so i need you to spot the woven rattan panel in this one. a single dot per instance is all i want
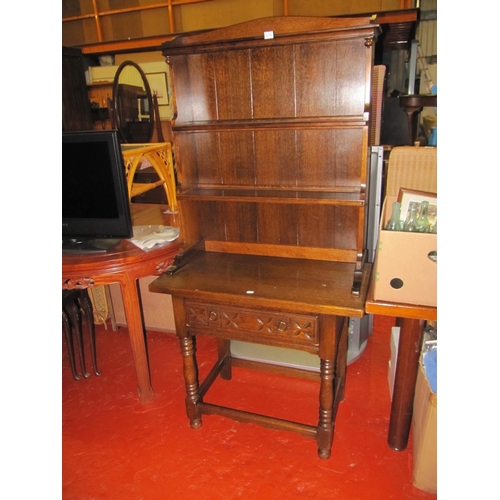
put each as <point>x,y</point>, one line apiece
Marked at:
<point>377,100</point>
<point>412,167</point>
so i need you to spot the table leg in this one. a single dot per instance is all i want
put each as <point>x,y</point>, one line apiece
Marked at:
<point>73,310</point>
<point>86,306</point>
<point>190,369</point>
<point>328,332</point>
<point>189,363</point>
<point>410,341</point>
<point>224,351</point>
<point>341,364</point>
<point>68,333</point>
<point>412,116</point>
<point>325,426</point>
<point>135,323</point>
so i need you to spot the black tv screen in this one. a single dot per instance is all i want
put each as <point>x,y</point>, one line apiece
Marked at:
<point>95,202</point>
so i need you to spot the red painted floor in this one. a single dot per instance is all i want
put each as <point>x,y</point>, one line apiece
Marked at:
<point>115,448</point>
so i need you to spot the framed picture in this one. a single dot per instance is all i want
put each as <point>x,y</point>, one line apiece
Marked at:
<point>406,196</point>
<point>158,85</point>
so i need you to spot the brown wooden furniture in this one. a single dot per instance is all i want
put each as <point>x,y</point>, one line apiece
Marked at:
<point>413,167</point>
<point>410,318</point>
<point>128,102</point>
<point>125,264</point>
<point>76,311</point>
<point>99,93</point>
<point>413,105</point>
<point>76,113</point>
<point>270,140</point>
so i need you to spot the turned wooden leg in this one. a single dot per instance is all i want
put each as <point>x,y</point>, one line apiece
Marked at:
<point>86,306</point>
<point>68,334</point>
<point>75,318</point>
<point>189,364</point>
<point>325,426</point>
<point>410,338</point>
<point>328,332</point>
<point>341,364</point>
<point>224,350</point>
<point>190,368</point>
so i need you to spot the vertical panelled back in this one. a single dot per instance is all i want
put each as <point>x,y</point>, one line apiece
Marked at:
<point>271,136</point>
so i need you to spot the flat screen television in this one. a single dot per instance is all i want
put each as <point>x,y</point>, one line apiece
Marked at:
<point>95,202</point>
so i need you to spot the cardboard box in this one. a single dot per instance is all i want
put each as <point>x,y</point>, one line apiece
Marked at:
<point>424,434</point>
<point>403,270</point>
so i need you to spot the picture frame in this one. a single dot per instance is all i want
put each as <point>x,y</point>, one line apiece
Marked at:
<point>406,196</point>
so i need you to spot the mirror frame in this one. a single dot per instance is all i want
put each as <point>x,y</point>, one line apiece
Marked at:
<point>117,105</point>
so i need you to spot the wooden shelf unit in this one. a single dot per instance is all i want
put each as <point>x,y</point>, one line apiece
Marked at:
<point>271,134</point>
<point>271,142</point>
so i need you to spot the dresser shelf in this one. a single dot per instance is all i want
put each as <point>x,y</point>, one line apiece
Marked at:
<point>271,142</point>
<point>274,195</point>
<point>261,123</point>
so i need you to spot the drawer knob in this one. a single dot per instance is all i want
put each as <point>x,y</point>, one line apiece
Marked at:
<point>281,326</point>
<point>213,315</point>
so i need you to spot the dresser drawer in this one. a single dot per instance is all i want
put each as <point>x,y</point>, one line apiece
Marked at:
<point>270,327</point>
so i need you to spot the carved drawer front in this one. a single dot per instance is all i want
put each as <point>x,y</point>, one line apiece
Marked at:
<point>269,325</point>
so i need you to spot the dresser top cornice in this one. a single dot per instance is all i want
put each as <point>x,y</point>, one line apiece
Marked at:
<point>282,28</point>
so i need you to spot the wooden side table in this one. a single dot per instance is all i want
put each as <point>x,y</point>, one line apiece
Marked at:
<point>410,318</point>
<point>294,303</point>
<point>125,264</point>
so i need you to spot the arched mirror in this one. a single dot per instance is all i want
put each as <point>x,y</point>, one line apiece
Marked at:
<point>133,104</point>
